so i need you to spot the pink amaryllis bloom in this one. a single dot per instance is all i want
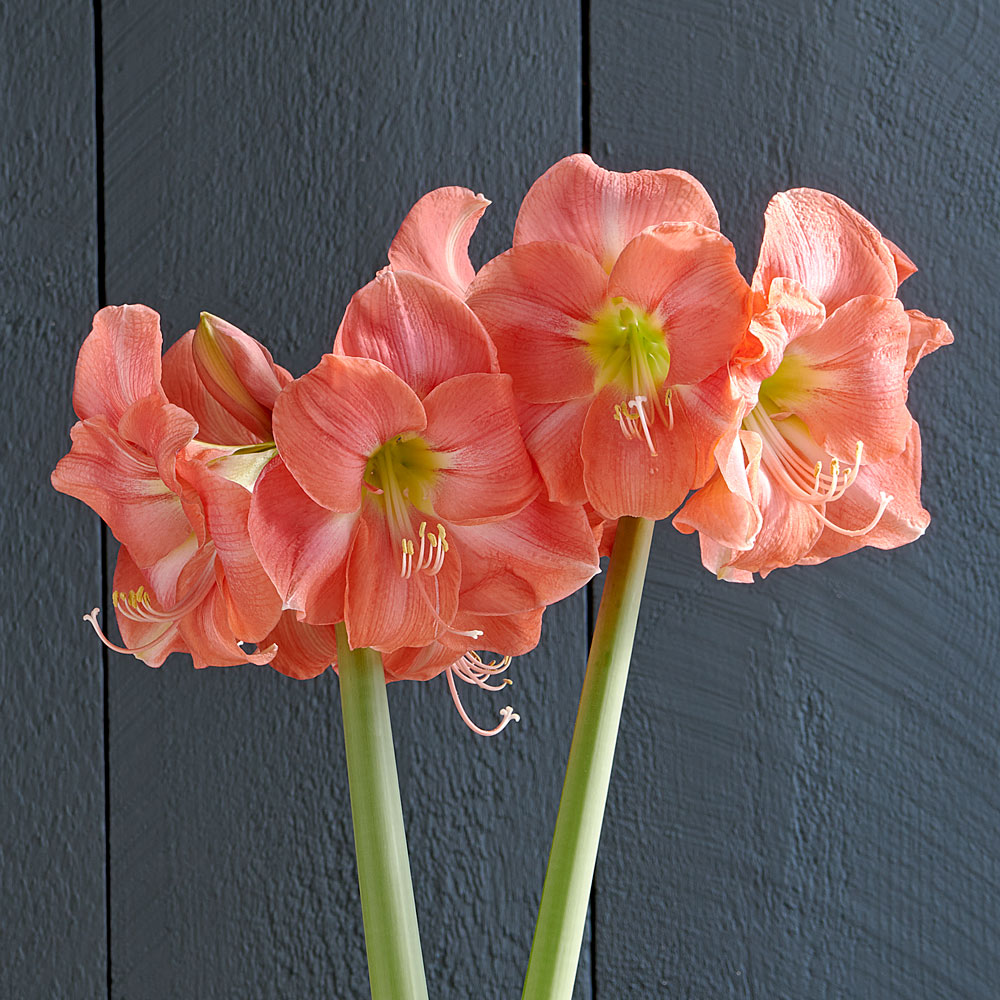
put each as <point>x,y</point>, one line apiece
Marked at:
<point>187,578</point>
<point>616,313</point>
<point>827,458</point>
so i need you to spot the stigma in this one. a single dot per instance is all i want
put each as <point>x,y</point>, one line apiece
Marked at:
<point>473,669</point>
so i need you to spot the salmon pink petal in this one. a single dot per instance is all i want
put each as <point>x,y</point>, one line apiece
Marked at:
<point>161,430</point>
<point>905,267</point>
<point>254,604</point>
<point>420,663</point>
<point>385,610</point>
<point>622,476</point>
<point>121,483</point>
<point>718,558</point>
<point>789,529</point>
<point>303,547</point>
<point>537,557</point>
<point>846,380</point>
<point>209,637</point>
<point>686,276</point>
<point>238,372</point>
<point>820,241</point>
<point>508,635</point>
<point>552,432</point>
<point>417,328</point>
<point>434,237</point>
<point>926,336</point>
<point>184,388</point>
<point>304,651</point>
<point>534,301</point>
<point>119,362</point>
<point>576,201</point>
<point>725,508</point>
<point>904,519</point>
<point>603,529</point>
<point>486,471</point>
<point>328,422</point>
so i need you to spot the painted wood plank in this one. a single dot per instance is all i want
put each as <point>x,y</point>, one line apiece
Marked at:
<point>52,931</point>
<point>806,797</point>
<point>259,159</point>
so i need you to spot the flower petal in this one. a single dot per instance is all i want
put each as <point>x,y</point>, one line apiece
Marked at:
<point>472,428</point>
<point>905,267</point>
<point>434,237</point>
<point>254,604</point>
<point>533,301</point>
<point>845,380</point>
<point>686,275</point>
<point>304,651</point>
<point>328,422</point>
<point>238,372</point>
<point>904,520</point>
<point>303,547</point>
<point>552,433</point>
<point>417,328</point>
<point>120,482</point>
<point>119,362</point>
<point>926,336</point>
<point>384,610</point>
<point>576,201</point>
<point>185,389</point>
<point>820,241</point>
<point>537,557</point>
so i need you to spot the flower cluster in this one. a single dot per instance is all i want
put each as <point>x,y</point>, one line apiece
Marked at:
<point>459,460</point>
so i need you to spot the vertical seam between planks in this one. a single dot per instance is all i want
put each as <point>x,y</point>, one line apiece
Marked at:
<point>102,298</point>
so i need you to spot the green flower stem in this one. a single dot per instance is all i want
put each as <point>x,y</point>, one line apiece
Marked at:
<point>555,951</point>
<point>392,939</point>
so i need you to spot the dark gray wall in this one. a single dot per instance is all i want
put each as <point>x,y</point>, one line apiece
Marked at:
<point>805,801</point>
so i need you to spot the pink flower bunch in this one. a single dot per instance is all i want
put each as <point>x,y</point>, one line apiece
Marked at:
<point>459,460</point>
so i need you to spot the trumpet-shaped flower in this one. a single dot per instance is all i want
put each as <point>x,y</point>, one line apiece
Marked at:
<point>828,457</point>
<point>614,312</point>
<point>187,578</point>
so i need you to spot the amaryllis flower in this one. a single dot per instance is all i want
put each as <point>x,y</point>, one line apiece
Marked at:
<point>186,578</point>
<point>616,312</point>
<point>827,458</point>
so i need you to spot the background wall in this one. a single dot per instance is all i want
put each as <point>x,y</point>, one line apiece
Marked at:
<point>806,794</point>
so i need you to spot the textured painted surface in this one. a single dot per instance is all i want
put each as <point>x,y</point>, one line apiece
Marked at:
<point>809,766</point>
<point>257,166</point>
<point>52,916</point>
<point>806,799</point>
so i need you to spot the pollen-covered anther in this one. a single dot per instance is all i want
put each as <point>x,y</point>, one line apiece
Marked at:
<point>634,422</point>
<point>430,557</point>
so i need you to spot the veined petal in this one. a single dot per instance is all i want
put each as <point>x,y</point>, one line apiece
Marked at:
<point>328,422</point>
<point>119,362</point>
<point>904,519</point>
<point>434,237</point>
<point>303,547</point>
<point>845,380</point>
<point>486,471</point>
<point>822,242</point>
<point>576,201</point>
<point>254,604</point>
<point>905,267</point>
<point>184,388</point>
<point>926,336</point>
<point>533,301</point>
<point>686,275</point>
<point>535,558</point>
<point>725,508</point>
<point>120,482</point>
<point>238,372</point>
<point>304,651</point>
<point>210,639</point>
<point>417,328</point>
<point>552,433</point>
<point>161,430</point>
<point>385,610</point>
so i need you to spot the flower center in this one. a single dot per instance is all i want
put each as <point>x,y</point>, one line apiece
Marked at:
<point>628,349</point>
<point>401,474</point>
<point>794,461</point>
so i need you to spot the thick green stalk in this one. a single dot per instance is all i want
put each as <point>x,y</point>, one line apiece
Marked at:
<point>555,951</point>
<point>395,965</point>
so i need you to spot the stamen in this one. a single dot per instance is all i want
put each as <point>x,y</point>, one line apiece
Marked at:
<point>507,713</point>
<point>640,415</point>
<point>135,651</point>
<point>884,500</point>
